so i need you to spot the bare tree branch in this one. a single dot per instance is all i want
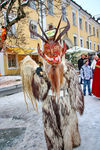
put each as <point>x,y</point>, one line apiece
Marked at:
<point>9,6</point>
<point>3,4</point>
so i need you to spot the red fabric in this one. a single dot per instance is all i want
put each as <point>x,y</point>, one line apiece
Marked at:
<point>96,80</point>
<point>53,52</point>
<point>3,32</point>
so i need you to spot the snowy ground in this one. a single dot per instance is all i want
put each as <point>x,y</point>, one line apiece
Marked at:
<point>23,130</point>
<point>14,115</point>
<point>6,81</point>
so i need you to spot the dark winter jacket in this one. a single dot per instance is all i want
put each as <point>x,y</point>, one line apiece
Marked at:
<point>80,63</point>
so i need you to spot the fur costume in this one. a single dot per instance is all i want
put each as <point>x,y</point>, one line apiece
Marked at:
<point>60,93</point>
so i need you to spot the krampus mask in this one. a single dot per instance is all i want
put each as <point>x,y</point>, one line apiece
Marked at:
<point>53,53</point>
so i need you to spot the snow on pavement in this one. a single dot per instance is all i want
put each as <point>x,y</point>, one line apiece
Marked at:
<point>13,114</point>
<point>6,81</point>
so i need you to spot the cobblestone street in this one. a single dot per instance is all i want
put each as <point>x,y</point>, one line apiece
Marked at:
<point>23,130</point>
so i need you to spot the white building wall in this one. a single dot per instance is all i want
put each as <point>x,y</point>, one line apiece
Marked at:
<point>2,64</point>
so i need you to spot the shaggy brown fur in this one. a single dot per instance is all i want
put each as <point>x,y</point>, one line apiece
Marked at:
<point>60,124</point>
<point>56,78</point>
<point>59,117</point>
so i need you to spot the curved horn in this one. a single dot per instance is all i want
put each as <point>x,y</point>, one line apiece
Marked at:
<point>64,31</point>
<point>57,28</point>
<point>36,34</point>
<point>43,32</point>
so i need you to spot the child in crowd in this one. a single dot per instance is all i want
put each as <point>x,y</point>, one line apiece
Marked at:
<point>86,75</point>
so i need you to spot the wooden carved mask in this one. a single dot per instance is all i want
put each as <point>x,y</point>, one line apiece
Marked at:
<point>53,53</point>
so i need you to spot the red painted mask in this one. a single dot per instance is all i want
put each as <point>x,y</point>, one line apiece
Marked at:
<point>53,52</point>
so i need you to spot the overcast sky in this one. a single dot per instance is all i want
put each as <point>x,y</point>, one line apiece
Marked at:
<point>92,6</point>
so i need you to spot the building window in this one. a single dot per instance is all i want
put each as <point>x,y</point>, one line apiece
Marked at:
<point>81,42</point>
<point>74,18</point>
<point>87,44</point>
<point>90,47</point>
<point>64,13</point>
<point>94,31</point>
<point>32,4</point>
<point>94,46</point>
<point>89,29</point>
<point>80,23</point>
<point>86,27</point>
<point>12,61</point>
<point>97,34</point>
<point>34,28</point>
<point>50,6</point>
<point>75,40</point>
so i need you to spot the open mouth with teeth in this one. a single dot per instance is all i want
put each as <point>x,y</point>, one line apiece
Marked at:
<point>53,52</point>
<point>53,60</point>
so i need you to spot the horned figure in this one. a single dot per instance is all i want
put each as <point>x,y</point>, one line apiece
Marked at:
<point>53,53</point>
<point>58,89</point>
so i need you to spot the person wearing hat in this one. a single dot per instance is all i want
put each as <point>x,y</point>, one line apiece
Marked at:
<point>96,78</point>
<point>86,75</point>
<point>39,70</point>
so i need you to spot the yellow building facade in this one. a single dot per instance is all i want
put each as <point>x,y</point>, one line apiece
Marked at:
<point>84,32</point>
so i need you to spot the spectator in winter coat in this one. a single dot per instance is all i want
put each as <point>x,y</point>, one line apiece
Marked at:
<point>86,75</point>
<point>89,58</point>
<point>80,64</point>
<point>39,70</point>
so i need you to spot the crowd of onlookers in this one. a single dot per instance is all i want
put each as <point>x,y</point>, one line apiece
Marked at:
<point>89,68</point>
